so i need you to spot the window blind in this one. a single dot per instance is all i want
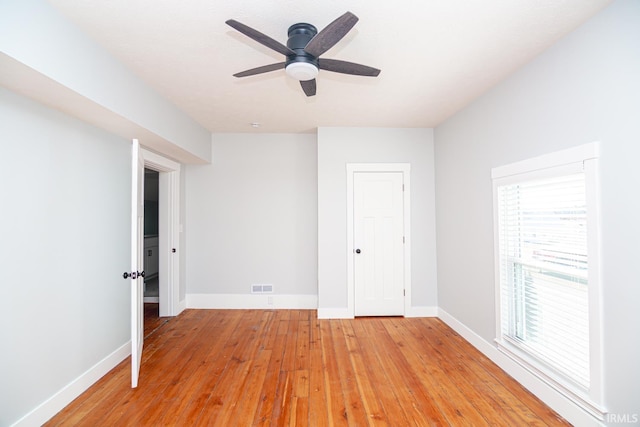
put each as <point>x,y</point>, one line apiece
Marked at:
<point>543,272</point>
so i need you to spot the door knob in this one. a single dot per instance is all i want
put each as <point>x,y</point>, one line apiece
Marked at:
<point>358,251</point>
<point>134,274</point>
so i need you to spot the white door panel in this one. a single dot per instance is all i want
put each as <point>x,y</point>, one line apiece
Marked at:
<point>137,260</point>
<point>378,243</point>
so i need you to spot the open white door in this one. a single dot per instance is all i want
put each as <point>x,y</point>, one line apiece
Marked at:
<point>137,260</point>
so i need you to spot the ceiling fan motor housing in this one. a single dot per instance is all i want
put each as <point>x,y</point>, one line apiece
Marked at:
<point>299,35</point>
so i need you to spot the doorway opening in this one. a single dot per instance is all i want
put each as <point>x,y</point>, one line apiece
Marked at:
<point>151,241</point>
<point>162,233</point>
<point>151,184</point>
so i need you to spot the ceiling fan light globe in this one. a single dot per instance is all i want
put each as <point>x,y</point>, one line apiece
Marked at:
<point>302,71</point>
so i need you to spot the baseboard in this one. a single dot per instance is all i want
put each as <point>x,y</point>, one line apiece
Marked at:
<point>182,306</point>
<point>421,312</point>
<point>252,301</point>
<point>550,396</point>
<point>62,398</point>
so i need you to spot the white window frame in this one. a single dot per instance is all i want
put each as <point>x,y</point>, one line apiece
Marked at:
<point>584,158</point>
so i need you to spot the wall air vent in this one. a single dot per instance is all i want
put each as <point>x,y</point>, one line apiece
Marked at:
<point>261,289</point>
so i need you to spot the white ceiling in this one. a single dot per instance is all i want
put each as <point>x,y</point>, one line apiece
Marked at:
<point>436,56</point>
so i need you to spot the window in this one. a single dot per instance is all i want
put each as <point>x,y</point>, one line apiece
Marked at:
<point>547,270</point>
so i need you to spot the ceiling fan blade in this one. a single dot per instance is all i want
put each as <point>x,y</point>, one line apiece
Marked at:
<point>331,34</point>
<point>345,67</point>
<point>309,87</point>
<point>260,70</point>
<point>260,38</point>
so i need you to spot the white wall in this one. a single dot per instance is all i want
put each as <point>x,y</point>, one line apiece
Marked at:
<point>251,218</point>
<point>48,58</point>
<point>586,88</point>
<point>64,234</point>
<point>336,148</point>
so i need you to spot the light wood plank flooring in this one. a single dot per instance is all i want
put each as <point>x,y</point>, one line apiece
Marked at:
<point>286,367</point>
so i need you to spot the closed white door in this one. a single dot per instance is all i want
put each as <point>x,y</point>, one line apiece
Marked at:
<point>378,243</point>
<point>137,260</point>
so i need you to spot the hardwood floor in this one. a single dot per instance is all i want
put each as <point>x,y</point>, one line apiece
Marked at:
<point>152,319</point>
<point>286,367</point>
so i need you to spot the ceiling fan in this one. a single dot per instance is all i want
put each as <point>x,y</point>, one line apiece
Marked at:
<point>304,47</point>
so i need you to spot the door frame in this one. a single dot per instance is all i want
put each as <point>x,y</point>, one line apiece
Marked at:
<point>405,169</point>
<point>168,231</point>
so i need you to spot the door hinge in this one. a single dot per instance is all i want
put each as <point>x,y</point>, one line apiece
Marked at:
<point>404,292</point>
<point>402,187</point>
<point>403,241</point>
